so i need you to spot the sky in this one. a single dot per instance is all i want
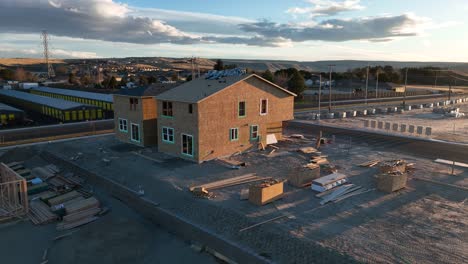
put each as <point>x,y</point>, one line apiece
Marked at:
<point>302,30</point>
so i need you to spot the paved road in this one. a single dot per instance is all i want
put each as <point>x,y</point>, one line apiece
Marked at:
<point>420,147</point>
<point>27,133</point>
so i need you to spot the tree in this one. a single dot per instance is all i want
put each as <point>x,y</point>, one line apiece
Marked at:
<point>143,80</point>
<point>123,81</point>
<point>20,75</point>
<point>219,66</point>
<point>267,75</point>
<point>85,80</point>
<point>297,84</point>
<point>61,70</point>
<point>71,78</point>
<point>7,74</point>
<point>112,83</point>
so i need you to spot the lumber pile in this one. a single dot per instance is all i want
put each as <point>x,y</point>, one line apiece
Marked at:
<point>207,187</point>
<point>340,193</point>
<point>40,213</point>
<point>79,212</point>
<point>303,176</point>
<point>308,150</point>
<point>369,164</point>
<point>63,198</point>
<point>393,166</point>
<point>266,191</point>
<point>391,182</point>
<point>320,160</point>
<point>328,182</point>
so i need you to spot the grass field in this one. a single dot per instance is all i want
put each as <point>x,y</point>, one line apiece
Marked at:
<point>25,61</point>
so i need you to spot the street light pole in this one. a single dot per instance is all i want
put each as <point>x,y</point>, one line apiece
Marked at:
<point>367,82</point>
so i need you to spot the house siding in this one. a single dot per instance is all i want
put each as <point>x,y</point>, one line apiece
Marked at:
<point>183,123</point>
<point>218,113</point>
<point>145,115</point>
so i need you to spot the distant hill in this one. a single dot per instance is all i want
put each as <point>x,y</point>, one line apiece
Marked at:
<point>341,65</point>
<point>10,62</point>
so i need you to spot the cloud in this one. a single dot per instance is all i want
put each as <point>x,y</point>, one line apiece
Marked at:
<point>88,19</point>
<point>9,51</point>
<point>326,8</point>
<point>371,28</point>
<point>107,20</point>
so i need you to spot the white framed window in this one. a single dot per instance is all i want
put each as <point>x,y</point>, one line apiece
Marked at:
<point>187,145</point>
<point>168,134</point>
<point>135,136</point>
<point>253,132</point>
<point>123,125</point>
<point>234,134</point>
<point>263,106</point>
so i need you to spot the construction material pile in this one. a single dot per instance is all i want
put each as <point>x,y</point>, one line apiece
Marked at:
<point>393,176</point>
<point>303,176</point>
<point>340,193</point>
<point>58,197</point>
<point>204,190</point>
<point>449,112</point>
<point>328,182</point>
<point>266,192</point>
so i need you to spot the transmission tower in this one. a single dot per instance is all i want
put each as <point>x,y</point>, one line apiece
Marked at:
<point>45,44</point>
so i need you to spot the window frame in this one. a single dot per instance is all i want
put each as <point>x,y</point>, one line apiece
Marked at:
<point>131,132</point>
<point>123,127</point>
<point>182,145</point>
<point>190,108</point>
<point>239,109</point>
<point>266,106</point>
<point>231,138</point>
<point>168,135</point>
<point>257,132</point>
<point>165,110</point>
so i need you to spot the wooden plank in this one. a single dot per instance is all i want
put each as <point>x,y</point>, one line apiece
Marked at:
<point>82,205</point>
<point>353,194</point>
<point>449,162</point>
<point>64,198</point>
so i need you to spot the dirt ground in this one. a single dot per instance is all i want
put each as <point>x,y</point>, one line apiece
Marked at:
<point>443,128</point>
<point>424,223</point>
<point>121,236</point>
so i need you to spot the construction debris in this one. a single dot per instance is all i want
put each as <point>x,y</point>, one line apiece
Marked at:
<point>40,213</point>
<point>244,194</point>
<point>232,164</point>
<point>320,160</point>
<point>340,193</point>
<point>267,221</point>
<point>308,150</point>
<point>391,182</point>
<point>369,164</point>
<point>298,136</point>
<point>303,176</point>
<point>328,182</point>
<point>247,178</point>
<point>266,191</point>
<point>393,166</point>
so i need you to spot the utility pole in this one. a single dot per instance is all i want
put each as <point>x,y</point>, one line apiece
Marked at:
<point>330,90</point>
<point>319,95</point>
<point>377,84</point>
<point>367,81</point>
<point>406,84</point>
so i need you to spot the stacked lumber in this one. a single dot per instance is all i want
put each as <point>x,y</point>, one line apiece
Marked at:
<point>303,176</point>
<point>370,163</point>
<point>266,191</point>
<point>43,172</point>
<point>308,150</point>
<point>247,178</point>
<point>40,213</point>
<point>63,198</point>
<point>340,193</point>
<point>79,211</point>
<point>391,182</point>
<point>319,160</point>
<point>328,182</point>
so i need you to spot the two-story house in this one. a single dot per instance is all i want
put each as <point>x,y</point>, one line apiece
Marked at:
<point>135,114</point>
<point>204,119</point>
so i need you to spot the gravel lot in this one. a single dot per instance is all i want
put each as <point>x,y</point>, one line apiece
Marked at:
<point>423,223</point>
